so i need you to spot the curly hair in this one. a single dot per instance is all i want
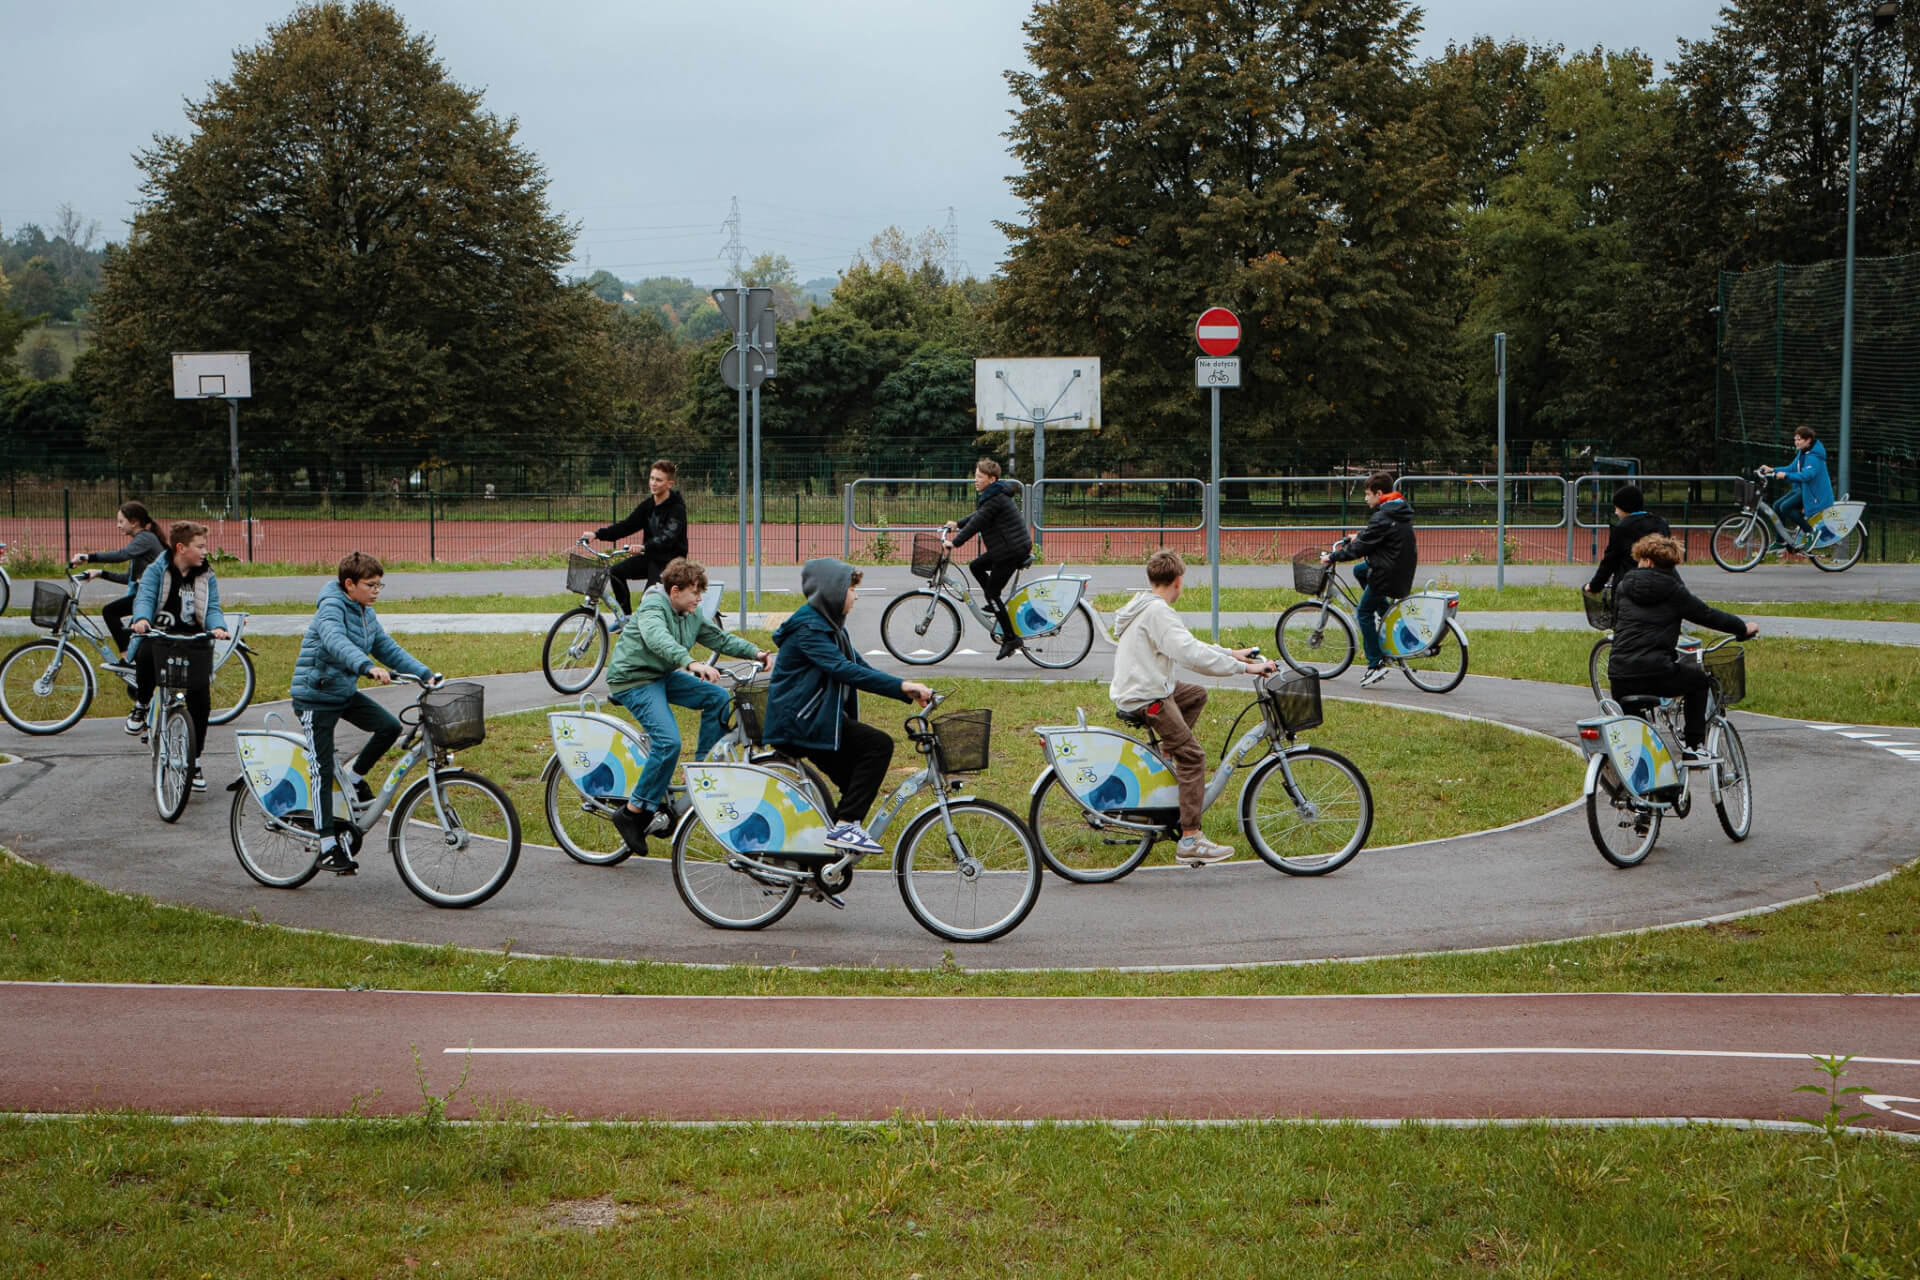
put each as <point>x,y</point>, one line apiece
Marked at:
<point>1659,548</point>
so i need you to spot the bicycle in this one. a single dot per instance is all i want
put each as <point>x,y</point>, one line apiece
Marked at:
<point>1637,772</point>
<point>1051,619</point>
<point>1105,798</point>
<point>454,835</point>
<point>6,583</point>
<point>47,685</point>
<point>754,840</point>
<point>1740,541</point>
<point>584,633</point>
<point>1599,610</point>
<point>179,660</point>
<point>1420,634</point>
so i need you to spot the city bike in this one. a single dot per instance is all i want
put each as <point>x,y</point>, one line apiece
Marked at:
<point>179,662</point>
<point>454,835</point>
<point>1105,799</point>
<point>1835,543</point>
<point>578,642</point>
<point>47,685</point>
<point>1420,634</point>
<point>754,840</point>
<point>6,583</point>
<point>1599,611</point>
<point>1637,773</point>
<point>1051,619</point>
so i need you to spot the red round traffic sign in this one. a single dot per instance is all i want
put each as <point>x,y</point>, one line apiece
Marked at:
<point>1218,331</point>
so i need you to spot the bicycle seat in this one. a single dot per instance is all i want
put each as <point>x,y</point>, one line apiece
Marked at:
<point>1132,719</point>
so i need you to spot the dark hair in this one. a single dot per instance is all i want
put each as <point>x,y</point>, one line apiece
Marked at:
<point>988,468</point>
<point>1380,482</point>
<point>1164,566</point>
<point>1629,498</point>
<point>682,573</point>
<point>665,467</point>
<point>184,532</point>
<point>1804,433</point>
<point>137,513</point>
<point>358,566</point>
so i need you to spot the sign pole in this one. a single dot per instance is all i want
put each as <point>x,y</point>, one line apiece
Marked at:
<point>756,500</point>
<point>1218,334</point>
<point>233,452</point>
<point>1500,468</point>
<point>740,345</point>
<point>1213,517</point>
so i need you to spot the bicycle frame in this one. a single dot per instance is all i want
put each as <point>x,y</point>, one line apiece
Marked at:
<point>1389,619</point>
<point>268,760</point>
<point>952,583</point>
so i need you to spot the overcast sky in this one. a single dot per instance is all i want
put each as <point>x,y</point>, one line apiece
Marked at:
<point>829,119</point>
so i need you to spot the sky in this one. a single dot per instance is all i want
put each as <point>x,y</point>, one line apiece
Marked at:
<point>828,120</point>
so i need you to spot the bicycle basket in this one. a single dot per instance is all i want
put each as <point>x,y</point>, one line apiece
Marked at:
<point>586,575</point>
<point>926,555</point>
<point>1599,609</point>
<point>1293,697</point>
<point>963,738</point>
<point>51,604</point>
<point>751,707</point>
<point>1309,575</point>
<point>181,662</point>
<point>1746,493</point>
<point>1727,668</point>
<point>455,715</point>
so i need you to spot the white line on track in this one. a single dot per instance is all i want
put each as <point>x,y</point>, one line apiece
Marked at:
<point>744,1051</point>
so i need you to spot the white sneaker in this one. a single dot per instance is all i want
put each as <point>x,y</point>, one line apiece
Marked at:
<point>137,719</point>
<point>1198,851</point>
<point>1373,675</point>
<point>854,838</point>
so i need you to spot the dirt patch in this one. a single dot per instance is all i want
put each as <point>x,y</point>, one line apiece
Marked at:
<point>586,1215</point>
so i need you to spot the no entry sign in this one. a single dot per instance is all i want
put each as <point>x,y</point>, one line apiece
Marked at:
<point>1218,331</point>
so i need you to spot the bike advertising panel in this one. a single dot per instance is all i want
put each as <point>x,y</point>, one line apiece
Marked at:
<point>754,811</point>
<point>1108,771</point>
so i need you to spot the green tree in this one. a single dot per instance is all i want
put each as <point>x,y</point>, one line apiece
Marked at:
<point>382,246</point>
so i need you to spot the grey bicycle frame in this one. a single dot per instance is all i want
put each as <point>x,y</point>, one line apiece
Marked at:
<point>362,816</point>
<point>1663,722</point>
<point>1352,611</point>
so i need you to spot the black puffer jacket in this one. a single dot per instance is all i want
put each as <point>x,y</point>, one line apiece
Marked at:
<point>997,519</point>
<point>1648,607</point>
<point>1618,561</point>
<point>665,523</point>
<point>1388,546</point>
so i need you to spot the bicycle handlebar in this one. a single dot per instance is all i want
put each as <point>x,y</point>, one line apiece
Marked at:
<point>431,682</point>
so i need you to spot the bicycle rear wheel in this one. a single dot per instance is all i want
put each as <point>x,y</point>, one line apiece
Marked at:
<point>582,827</point>
<point>1623,828</point>
<point>1065,647</point>
<point>575,650</point>
<point>1738,542</point>
<point>273,854</point>
<point>1597,666</point>
<point>172,760</point>
<point>1732,784</point>
<point>979,893</point>
<point>1315,637</point>
<point>1838,557</point>
<point>469,860</point>
<point>45,687</point>
<point>718,888</point>
<point>1073,847</point>
<point>1441,668</point>
<point>1314,827</point>
<point>231,688</point>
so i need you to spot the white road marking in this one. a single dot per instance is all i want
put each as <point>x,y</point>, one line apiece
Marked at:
<point>1881,738</point>
<point>743,1051</point>
<point>1885,1101</point>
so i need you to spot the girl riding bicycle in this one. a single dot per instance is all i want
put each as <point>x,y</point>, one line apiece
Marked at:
<point>179,595</point>
<point>1812,491</point>
<point>143,548</point>
<point>1649,604</point>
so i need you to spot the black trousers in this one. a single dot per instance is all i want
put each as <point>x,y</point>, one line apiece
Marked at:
<point>362,713</point>
<point>993,574</point>
<point>1679,681</point>
<point>857,768</point>
<point>199,695</point>
<point>114,614</point>
<point>620,572</point>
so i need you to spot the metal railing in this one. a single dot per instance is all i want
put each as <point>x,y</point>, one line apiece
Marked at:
<point>1659,496</point>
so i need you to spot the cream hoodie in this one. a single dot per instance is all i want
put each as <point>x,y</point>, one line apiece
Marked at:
<point>1152,642</point>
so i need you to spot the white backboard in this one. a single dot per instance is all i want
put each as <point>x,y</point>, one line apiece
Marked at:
<point>200,375</point>
<point>1049,386</point>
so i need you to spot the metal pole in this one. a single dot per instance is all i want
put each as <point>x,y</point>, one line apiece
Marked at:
<point>1500,469</point>
<point>1037,512</point>
<point>740,366</point>
<point>1213,516</point>
<point>1846,310</point>
<point>233,452</point>
<point>756,499</point>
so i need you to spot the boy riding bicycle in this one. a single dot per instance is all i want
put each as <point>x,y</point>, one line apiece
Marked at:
<point>344,642</point>
<point>1151,642</point>
<point>1391,553</point>
<point>178,595</point>
<point>662,514</point>
<point>1003,532</point>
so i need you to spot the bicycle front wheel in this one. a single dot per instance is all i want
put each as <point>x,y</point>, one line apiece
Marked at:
<point>45,686</point>
<point>1738,542</point>
<point>232,687</point>
<point>1838,557</point>
<point>1597,666</point>
<point>575,651</point>
<point>172,762</point>
<point>1065,647</point>
<point>467,860</point>
<point>272,854</point>
<point>1622,827</point>
<point>976,892</point>
<point>582,827</point>
<point>1732,784</point>
<point>718,887</point>
<point>1314,637</point>
<point>1074,846</point>
<point>1441,668</point>
<point>920,628</point>
<point>1317,824</point>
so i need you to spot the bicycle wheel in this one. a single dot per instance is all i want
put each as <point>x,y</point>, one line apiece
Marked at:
<point>172,761</point>
<point>1732,784</point>
<point>467,862</point>
<point>716,886</point>
<point>232,687</point>
<point>982,892</point>
<point>45,686</point>
<point>920,628</point>
<point>582,827</point>
<point>1073,847</point>
<point>1316,827</point>
<point>1623,828</point>
<point>1597,666</point>
<point>1321,640</point>
<point>274,855</point>
<point>6,590</point>
<point>1838,557</point>
<point>1441,668</point>
<point>1738,542</point>
<point>1063,648</point>
<point>575,650</point>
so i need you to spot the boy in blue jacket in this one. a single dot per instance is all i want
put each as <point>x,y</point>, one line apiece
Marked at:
<point>813,702</point>
<point>179,595</point>
<point>344,642</point>
<point>1812,491</point>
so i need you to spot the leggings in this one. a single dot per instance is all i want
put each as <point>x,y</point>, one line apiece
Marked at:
<point>114,614</point>
<point>362,713</point>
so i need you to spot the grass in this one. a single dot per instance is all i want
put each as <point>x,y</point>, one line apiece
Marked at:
<point>1540,599</point>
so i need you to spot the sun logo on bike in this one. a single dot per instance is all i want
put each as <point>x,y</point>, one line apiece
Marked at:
<point>564,730</point>
<point>705,782</point>
<point>1066,750</point>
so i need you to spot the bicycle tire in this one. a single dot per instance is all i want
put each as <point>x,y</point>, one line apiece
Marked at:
<point>717,892</point>
<point>229,693</point>
<point>582,652</point>
<point>61,707</point>
<point>436,868</point>
<point>1732,783</point>
<point>1332,793</point>
<point>6,590</point>
<point>582,831</point>
<point>172,761</point>
<point>1597,659</point>
<point>1322,647</point>
<point>1745,538</point>
<point>981,900</point>
<point>1449,659</point>
<point>1072,848</point>
<point>1613,814</point>
<point>1058,650</point>
<point>909,645</point>
<point>1842,555</point>
<point>276,857</point>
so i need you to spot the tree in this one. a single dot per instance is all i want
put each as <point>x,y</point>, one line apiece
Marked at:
<point>382,246</point>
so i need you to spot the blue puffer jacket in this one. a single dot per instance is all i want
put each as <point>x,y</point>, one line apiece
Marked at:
<point>202,586</point>
<point>1808,472</point>
<point>343,643</point>
<point>817,674</point>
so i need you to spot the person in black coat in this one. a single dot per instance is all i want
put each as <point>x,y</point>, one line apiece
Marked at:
<point>1649,604</point>
<point>1392,554</point>
<point>662,515</point>
<point>1008,541</point>
<point>1632,523</point>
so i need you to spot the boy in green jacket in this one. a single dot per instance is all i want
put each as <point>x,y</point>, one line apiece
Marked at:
<point>653,670</point>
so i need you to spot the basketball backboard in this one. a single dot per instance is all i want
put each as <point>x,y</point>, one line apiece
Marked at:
<point>203,375</point>
<point>1063,390</point>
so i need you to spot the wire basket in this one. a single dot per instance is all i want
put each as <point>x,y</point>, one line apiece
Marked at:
<point>1309,575</point>
<point>1599,609</point>
<point>1293,698</point>
<point>1746,493</point>
<point>181,662</point>
<point>750,704</point>
<point>927,554</point>
<point>586,575</point>
<point>1727,668</point>
<point>455,715</point>
<point>963,738</point>
<point>51,604</point>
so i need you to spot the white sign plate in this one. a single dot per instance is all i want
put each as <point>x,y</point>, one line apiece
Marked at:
<point>1216,371</point>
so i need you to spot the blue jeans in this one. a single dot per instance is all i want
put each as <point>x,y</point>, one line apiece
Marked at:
<point>1792,510</point>
<point>1373,606</point>
<point>649,704</point>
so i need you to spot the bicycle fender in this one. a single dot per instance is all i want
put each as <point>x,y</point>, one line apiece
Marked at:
<point>1593,773</point>
<point>1039,782</point>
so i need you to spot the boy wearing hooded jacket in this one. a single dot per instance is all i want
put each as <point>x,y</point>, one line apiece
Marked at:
<point>813,702</point>
<point>1003,532</point>
<point>1391,553</point>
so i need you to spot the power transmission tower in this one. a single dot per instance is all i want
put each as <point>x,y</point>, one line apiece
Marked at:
<point>734,249</point>
<point>950,240</point>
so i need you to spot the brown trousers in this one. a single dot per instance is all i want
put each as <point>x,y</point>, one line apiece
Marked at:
<point>1174,723</point>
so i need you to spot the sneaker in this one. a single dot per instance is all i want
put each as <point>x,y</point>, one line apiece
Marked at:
<point>854,838</point>
<point>1373,675</point>
<point>613,628</point>
<point>137,718</point>
<point>1008,648</point>
<point>1696,758</point>
<point>362,793</point>
<point>199,778</point>
<point>1197,851</point>
<point>338,861</point>
<point>632,828</point>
